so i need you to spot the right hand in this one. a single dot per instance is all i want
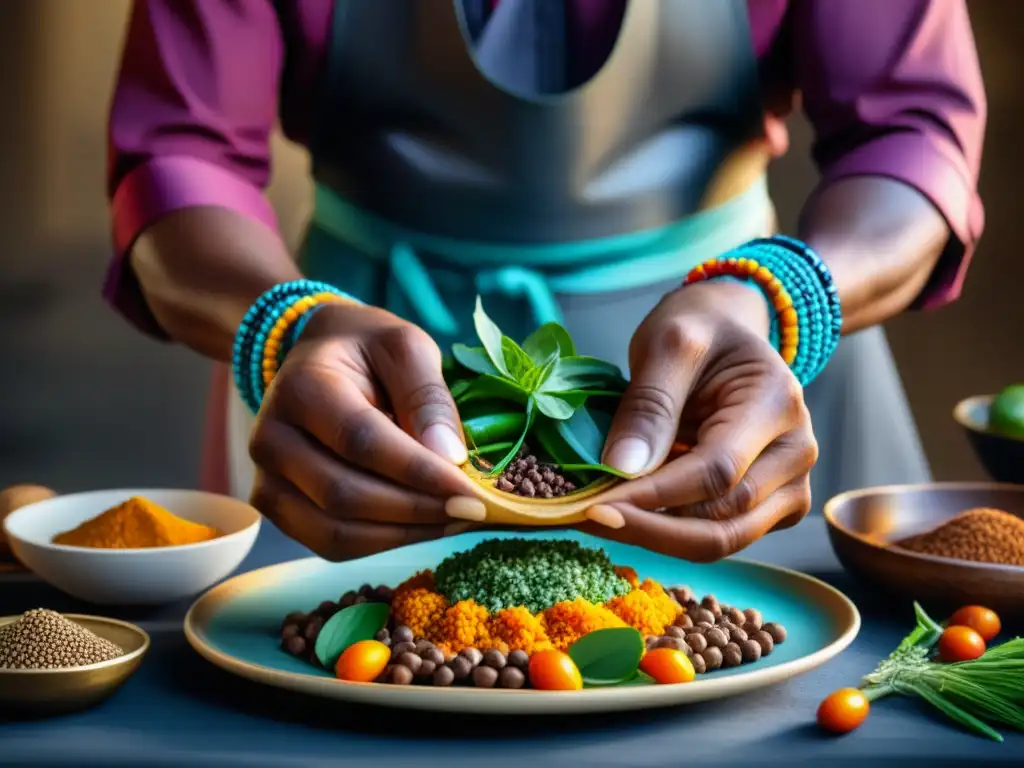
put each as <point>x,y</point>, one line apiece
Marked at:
<point>334,470</point>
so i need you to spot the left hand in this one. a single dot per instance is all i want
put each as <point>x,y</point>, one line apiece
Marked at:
<point>703,373</point>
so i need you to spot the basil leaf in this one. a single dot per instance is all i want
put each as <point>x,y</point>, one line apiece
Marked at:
<point>553,407</point>
<point>582,366</point>
<point>531,414</point>
<point>549,338</point>
<point>550,441</point>
<point>584,434</point>
<point>492,387</point>
<point>518,363</point>
<point>348,626</point>
<point>490,336</point>
<point>475,359</point>
<point>608,656</point>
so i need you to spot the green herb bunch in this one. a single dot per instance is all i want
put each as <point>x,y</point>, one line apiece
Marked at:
<point>541,393</point>
<point>536,573</point>
<point>989,689</point>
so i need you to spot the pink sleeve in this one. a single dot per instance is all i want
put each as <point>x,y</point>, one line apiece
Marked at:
<point>190,122</point>
<point>893,88</point>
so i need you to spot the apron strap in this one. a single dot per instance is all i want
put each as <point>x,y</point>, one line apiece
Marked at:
<point>416,283</point>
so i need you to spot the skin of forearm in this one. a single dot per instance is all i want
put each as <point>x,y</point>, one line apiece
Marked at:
<point>881,240</point>
<point>200,269</point>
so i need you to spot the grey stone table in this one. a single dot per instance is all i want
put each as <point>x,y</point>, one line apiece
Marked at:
<point>179,710</point>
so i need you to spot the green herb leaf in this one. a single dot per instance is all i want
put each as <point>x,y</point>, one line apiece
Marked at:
<point>518,363</point>
<point>486,387</point>
<point>951,710</point>
<point>475,359</point>
<point>531,413</point>
<point>348,626</point>
<point>459,388</point>
<point>585,373</point>
<point>608,656</point>
<point>585,433</point>
<point>490,336</point>
<point>608,470</point>
<point>549,338</point>
<point>553,407</point>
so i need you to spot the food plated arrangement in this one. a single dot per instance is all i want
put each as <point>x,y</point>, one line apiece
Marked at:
<point>545,622</point>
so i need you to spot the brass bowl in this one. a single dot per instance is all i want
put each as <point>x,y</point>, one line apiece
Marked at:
<point>863,525</point>
<point>509,509</point>
<point>1002,456</point>
<point>42,692</point>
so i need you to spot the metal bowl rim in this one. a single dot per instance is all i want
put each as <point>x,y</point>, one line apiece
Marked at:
<point>126,658</point>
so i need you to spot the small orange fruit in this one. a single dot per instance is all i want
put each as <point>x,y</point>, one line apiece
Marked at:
<point>362,662</point>
<point>667,666</point>
<point>960,644</point>
<point>844,710</point>
<point>982,620</point>
<point>554,671</point>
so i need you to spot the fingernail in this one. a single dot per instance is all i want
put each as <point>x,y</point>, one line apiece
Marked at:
<point>466,508</point>
<point>454,529</point>
<point>442,440</point>
<point>629,455</point>
<point>607,516</point>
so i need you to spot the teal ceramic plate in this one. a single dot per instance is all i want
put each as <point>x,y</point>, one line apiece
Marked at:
<point>236,626</point>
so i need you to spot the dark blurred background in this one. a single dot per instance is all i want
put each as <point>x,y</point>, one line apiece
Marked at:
<point>86,402</point>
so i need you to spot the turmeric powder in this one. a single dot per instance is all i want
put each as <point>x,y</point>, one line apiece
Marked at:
<point>136,524</point>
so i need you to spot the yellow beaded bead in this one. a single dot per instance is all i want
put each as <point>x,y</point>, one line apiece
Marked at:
<point>788,355</point>
<point>788,316</point>
<point>782,302</point>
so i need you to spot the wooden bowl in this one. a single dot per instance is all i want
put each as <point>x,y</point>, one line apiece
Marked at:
<point>41,692</point>
<point>863,524</point>
<point>1000,455</point>
<point>509,509</point>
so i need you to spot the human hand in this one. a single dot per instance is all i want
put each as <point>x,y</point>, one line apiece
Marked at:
<point>703,373</point>
<point>334,470</point>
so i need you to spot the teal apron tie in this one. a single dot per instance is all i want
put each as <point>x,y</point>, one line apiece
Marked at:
<point>534,273</point>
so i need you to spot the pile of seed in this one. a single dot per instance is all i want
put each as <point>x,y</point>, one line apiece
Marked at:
<point>421,662</point>
<point>299,630</point>
<point>43,639</point>
<point>717,636</point>
<point>980,535</point>
<point>525,476</point>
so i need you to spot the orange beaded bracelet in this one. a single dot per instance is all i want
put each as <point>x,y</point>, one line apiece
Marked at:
<point>276,338</point>
<point>745,268</point>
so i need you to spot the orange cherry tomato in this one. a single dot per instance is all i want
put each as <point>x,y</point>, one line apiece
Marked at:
<point>362,662</point>
<point>982,620</point>
<point>667,666</point>
<point>554,671</point>
<point>960,644</point>
<point>844,710</point>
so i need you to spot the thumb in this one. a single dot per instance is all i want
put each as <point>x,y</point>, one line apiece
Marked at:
<point>408,363</point>
<point>647,420</point>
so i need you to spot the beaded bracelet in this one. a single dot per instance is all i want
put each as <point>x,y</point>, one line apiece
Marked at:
<point>266,333</point>
<point>798,285</point>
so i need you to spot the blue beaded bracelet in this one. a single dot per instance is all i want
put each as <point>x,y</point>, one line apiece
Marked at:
<point>253,332</point>
<point>806,314</point>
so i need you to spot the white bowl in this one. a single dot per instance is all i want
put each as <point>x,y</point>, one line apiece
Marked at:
<point>132,576</point>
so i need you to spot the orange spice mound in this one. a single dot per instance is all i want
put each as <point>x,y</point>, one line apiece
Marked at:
<point>981,535</point>
<point>466,624</point>
<point>137,523</point>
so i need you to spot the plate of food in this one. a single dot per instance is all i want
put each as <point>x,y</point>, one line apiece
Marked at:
<point>521,623</point>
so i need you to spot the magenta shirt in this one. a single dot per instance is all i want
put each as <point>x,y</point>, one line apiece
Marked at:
<point>891,87</point>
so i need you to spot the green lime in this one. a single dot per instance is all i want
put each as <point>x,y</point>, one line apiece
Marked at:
<point>1006,416</point>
